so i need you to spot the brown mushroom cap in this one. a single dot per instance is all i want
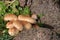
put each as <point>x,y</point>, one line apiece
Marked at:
<point>18,25</point>
<point>25,18</point>
<point>10,17</point>
<point>26,25</point>
<point>13,31</point>
<point>9,25</point>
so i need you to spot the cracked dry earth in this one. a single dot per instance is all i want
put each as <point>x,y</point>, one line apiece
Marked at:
<point>51,11</point>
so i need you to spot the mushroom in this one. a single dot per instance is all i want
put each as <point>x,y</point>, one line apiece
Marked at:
<point>9,25</point>
<point>13,31</point>
<point>10,17</point>
<point>27,25</point>
<point>25,18</point>
<point>18,25</point>
<point>34,16</point>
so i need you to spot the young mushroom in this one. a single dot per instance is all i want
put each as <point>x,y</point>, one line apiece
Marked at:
<point>13,31</point>
<point>27,25</point>
<point>18,25</point>
<point>9,25</point>
<point>34,16</point>
<point>10,17</point>
<point>25,18</point>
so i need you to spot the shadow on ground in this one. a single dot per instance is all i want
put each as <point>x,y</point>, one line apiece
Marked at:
<point>47,26</point>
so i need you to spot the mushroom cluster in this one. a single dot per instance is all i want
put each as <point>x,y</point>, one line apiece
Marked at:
<point>16,24</point>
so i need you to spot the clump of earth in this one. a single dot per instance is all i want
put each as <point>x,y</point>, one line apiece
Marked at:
<point>51,18</point>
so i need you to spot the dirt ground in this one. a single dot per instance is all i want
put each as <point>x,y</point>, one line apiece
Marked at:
<point>51,11</point>
<point>37,34</point>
